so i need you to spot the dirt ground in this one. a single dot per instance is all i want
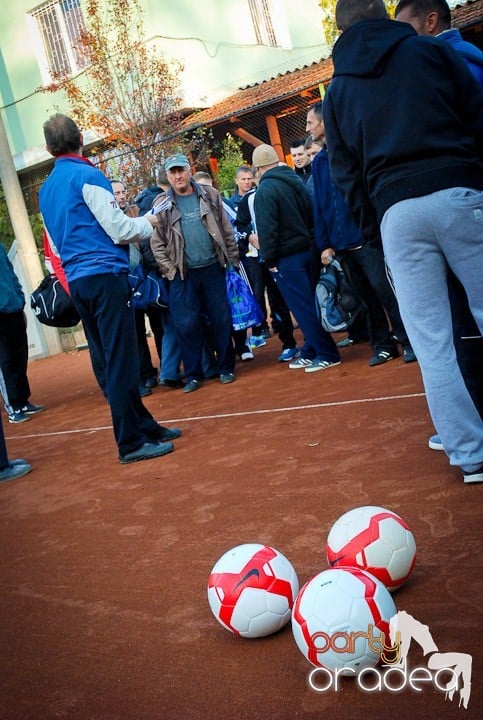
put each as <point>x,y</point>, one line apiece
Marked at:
<point>104,567</point>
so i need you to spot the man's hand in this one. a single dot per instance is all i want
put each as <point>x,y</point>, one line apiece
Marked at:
<point>273,269</point>
<point>327,256</point>
<point>253,240</point>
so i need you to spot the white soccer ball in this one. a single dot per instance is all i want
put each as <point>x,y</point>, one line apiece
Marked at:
<point>374,539</point>
<point>331,608</point>
<point>252,589</point>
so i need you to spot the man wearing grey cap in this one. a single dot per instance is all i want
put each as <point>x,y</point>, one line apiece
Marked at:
<point>193,244</point>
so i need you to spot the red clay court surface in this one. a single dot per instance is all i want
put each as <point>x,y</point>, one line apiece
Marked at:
<point>104,567</point>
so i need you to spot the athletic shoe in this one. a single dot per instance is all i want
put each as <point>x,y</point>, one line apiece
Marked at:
<point>17,416</point>
<point>257,341</point>
<point>346,342</point>
<point>289,354</point>
<point>247,354</point>
<point>14,469</point>
<point>321,365</point>
<point>172,383</point>
<point>151,382</point>
<point>300,363</point>
<point>168,434</point>
<point>408,354</point>
<point>144,391</point>
<point>473,477</point>
<point>226,378</point>
<point>383,356</point>
<point>435,443</point>
<point>146,452</point>
<point>191,386</point>
<point>31,409</point>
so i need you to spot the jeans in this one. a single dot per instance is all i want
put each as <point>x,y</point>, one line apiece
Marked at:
<point>296,283</point>
<point>421,237</point>
<point>202,293</point>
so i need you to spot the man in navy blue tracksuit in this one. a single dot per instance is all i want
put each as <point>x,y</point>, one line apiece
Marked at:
<point>90,233</point>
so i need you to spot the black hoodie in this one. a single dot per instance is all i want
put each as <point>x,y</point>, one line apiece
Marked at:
<point>284,215</point>
<point>403,117</point>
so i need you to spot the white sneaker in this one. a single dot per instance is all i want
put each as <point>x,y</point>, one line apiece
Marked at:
<point>247,354</point>
<point>300,363</point>
<point>321,365</point>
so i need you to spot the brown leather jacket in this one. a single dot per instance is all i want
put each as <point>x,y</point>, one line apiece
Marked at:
<point>167,242</point>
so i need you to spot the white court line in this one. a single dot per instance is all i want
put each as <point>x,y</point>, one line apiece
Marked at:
<point>294,408</point>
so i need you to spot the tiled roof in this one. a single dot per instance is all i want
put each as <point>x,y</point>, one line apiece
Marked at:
<point>293,82</point>
<point>264,93</point>
<point>468,13</point>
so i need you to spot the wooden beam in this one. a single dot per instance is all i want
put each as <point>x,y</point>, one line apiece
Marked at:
<point>247,137</point>
<point>274,133</point>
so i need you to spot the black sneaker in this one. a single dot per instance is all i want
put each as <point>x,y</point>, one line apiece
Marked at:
<point>31,409</point>
<point>473,477</point>
<point>383,356</point>
<point>144,391</point>
<point>146,452</point>
<point>408,354</point>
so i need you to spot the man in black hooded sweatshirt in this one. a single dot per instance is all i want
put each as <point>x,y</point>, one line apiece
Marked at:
<point>404,123</point>
<point>285,233</point>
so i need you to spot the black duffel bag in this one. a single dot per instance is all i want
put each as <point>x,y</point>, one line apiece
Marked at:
<point>52,305</point>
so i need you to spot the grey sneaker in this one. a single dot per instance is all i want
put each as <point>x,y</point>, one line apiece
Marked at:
<point>14,469</point>
<point>191,386</point>
<point>320,365</point>
<point>300,363</point>
<point>146,452</point>
<point>226,378</point>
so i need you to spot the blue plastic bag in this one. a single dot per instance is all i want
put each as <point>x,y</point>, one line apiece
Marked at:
<point>245,311</point>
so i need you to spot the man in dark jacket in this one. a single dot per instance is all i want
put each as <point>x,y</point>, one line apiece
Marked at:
<point>14,384</point>
<point>285,235</point>
<point>422,181</point>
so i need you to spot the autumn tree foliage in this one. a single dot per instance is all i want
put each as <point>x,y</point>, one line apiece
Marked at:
<point>329,26</point>
<point>128,93</point>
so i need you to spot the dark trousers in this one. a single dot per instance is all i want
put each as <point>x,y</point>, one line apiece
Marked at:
<point>103,302</point>
<point>202,292</point>
<point>260,280</point>
<point>14,358</point>
<point>3,448</point>
<point>297,285</point>
<point>368,271</point>
<point>468,341</point>
<point>279,313</point>
<point>147,368</point>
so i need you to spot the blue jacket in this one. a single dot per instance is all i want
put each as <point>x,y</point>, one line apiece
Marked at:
<point>469,52</point>
<point>334,225</point>
<point>83,221</point>
<point>12,298</point>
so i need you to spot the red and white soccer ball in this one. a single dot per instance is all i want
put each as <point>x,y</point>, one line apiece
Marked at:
<point>331,608</point>
<point>252,589</point>
<point>376,540</point>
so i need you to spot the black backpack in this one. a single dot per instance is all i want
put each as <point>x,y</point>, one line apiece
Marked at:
<point>336,302</point>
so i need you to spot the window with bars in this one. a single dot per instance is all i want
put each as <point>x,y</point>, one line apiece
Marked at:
<point>270,23</point>
<point>58,26</point>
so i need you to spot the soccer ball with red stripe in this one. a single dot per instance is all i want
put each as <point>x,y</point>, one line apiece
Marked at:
<point>374,539</point>
<point>338,620</point>
<point>252,589</point>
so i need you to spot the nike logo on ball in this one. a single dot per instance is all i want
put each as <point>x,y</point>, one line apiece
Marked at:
<point>249,574</point>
